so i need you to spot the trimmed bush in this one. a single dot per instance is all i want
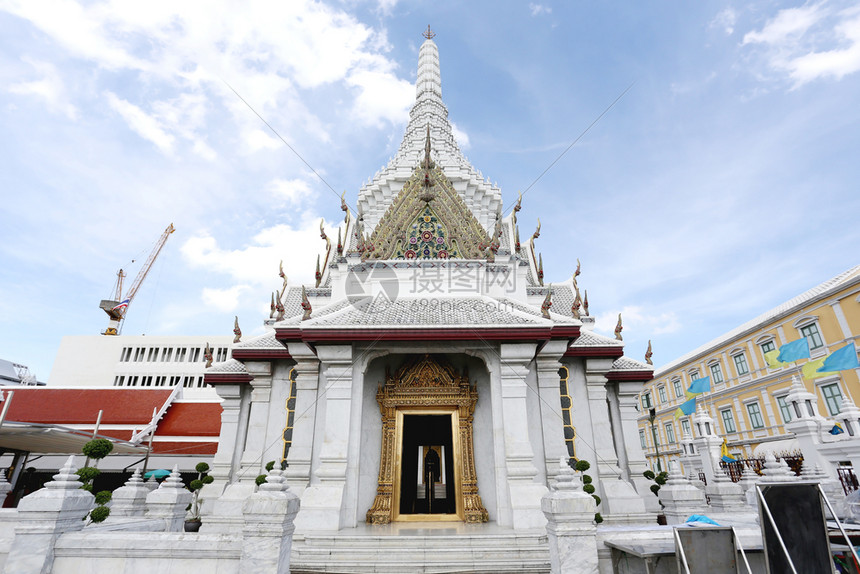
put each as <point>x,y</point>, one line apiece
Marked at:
<point>99,513</point>
<point>103,497</point>
<point>260,479</point>
<point>582,465</point>
<point>596,499</point>
<point>88,473</point>
<point>208,479</point>
<point>270,465</point>
<point>589,488</point>
<point>195,484</point>
<point>586,479</point>
<point>649,474</point>
<point>655,488</point>
<point>201,467</point>
<point>597,518</point>
<point>97,448</point>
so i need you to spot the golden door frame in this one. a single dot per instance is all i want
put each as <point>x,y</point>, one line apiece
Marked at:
<point>420,387</point>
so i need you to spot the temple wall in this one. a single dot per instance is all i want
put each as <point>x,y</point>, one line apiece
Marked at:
<point>536,438</point>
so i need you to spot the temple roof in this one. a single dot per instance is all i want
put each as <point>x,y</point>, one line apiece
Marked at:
<point>483,199</point>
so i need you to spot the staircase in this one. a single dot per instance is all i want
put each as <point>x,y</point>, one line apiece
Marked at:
<point>421,548</point>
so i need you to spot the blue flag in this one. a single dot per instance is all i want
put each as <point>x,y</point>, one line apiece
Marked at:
<point>700,386</point>
<point>794,351</point>
<point>686,408</point>
<point>837,429</point>
<point>844,358</point>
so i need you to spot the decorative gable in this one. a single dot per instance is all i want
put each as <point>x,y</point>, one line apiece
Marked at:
<point>427,220</point>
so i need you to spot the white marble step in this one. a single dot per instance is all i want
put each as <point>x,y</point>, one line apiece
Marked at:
<point>425,548</point>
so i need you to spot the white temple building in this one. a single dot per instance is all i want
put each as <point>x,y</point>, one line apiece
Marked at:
<point>429,374</point>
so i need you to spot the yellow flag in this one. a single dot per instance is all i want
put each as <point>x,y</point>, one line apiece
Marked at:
<point>725,448</point>
<point>772,362</point>
<point>810,369</point>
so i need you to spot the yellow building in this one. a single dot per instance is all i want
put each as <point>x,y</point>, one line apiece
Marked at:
<point>747,398</point>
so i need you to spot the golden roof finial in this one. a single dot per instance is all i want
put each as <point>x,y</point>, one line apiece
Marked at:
<point>429,34</point>
<point>618,328</point>
<point>648,354</point>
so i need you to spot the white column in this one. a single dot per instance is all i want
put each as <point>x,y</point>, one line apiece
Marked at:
<point>628,399</point>
<point>307,386</point>
<point>323,500</point>
<point>552,422</point>
<point>231,399</point>
<point>525,493</point>
<point>255,440</point>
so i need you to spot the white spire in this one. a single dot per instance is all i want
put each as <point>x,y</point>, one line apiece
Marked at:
<point>481,196</point>
<point>429,82</point>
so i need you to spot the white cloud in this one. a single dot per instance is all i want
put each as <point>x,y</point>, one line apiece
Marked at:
<point>788,24</point>
<point>537,9</point>
<point>257,263</point>
<point>294,191</point>
<point>381,97</point>
<point>145,125</point>
<point>811,42</point>
<point>725,20</point>
<point>50,88</point>
<point>225,300</point>
<point>638,320</point>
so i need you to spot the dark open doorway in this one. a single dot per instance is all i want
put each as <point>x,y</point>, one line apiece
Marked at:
<point>427,463</point>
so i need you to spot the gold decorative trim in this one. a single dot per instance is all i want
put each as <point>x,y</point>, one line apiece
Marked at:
<point>290,405</point>
<point>427,385</point>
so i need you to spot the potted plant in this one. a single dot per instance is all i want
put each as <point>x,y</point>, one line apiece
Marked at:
<point>659,480</point>
<point>192,523</point>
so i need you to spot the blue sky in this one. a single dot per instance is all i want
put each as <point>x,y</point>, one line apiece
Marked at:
<point>723,183</point>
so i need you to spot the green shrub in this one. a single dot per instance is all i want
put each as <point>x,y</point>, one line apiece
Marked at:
<point>270,465</point>
<point>103,497</point>
<point>586,479</point>
<point>655,488</point>
<point>597,518</point>
<point>661,478</point>
<point>99,513</point>
<point>260,479</point>
<point>201,467</point>
<point>589,488</point>
<point>195,484</point>
<point>208,479</point>
<point>88,473</point>
<point>97,448</point>
<point>649,474</point>
<point>596,499</point>
<point>582,465</point>
<point>87,487</point>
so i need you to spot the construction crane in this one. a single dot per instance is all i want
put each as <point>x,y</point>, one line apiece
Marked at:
<point>117,307</point>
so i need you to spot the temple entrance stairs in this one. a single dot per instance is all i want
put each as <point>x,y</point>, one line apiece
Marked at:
<point>431,548</point>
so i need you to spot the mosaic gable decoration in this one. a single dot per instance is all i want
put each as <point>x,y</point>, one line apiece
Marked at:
<point>427,220</point>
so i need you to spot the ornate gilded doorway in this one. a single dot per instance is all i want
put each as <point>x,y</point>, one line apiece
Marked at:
<point>424,398</point>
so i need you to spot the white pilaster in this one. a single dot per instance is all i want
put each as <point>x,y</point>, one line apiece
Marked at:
<point>525,493</point>
<point>307,387</point>
<point>552,421</point>
<point>322,501</point>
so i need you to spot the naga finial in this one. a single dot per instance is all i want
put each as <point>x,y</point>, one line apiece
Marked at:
<point>517,207</point>
<point>306,305</point>
<point>318,274</point>
<point>648,354</point>
<point>585,303</point>
<point>237,332</point>
<point>536,234</point>
<point>578,269</point>
<point>540,269</point>
<point>547,303</point>
<point>279,305</point>
<point>577,303</point>
<point>281,270</point>
<point>272,307</point>
<point>207,354</point>
<point>339,242</point>
<point>345,208</point>
<point>618,329</point>
<point>516,239</point>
